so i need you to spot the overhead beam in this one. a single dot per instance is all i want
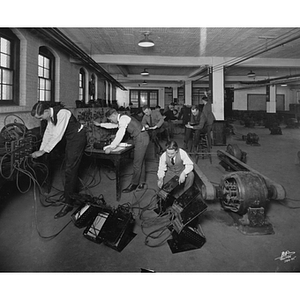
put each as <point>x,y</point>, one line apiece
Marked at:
<point>152,77</point>
<point>123,70</point>
<point>199,71</point>
<point>192,61</point>
<point>151,60</point>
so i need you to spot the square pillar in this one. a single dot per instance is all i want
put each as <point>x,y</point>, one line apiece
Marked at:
<point>218,92</point>
<point>188,92</point>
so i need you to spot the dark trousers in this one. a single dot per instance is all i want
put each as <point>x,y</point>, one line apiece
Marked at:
<point>189,180</point>
<point>194,134</point>
<point>154,138</point>
<point>74,151</point>
<point>139,168</point>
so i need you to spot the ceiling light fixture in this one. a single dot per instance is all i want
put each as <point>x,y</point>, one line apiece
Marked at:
<point>146,42</point>
<point>145,73</point>
<point>144,82</point>
<point>251,74</point>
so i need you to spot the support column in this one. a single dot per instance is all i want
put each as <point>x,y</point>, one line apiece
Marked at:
<point>188,92</point>
<point>111,91</point>
<point>271,104</point>
<point>218,92</point>
<point>175,92</point>
<point>106,90</point>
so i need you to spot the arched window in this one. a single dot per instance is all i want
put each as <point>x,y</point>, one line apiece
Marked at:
<point>92,87</point>
<point>9,67</point>
<point>81,85</point>
<point>46,75</point>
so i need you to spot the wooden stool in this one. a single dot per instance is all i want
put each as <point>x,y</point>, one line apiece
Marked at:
<point>203,147</point>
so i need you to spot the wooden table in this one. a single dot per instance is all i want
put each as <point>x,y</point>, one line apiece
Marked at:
<point>116,157</point>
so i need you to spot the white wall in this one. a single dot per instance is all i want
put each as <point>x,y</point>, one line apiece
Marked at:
<point>122,97</point>
<point>240,97</point>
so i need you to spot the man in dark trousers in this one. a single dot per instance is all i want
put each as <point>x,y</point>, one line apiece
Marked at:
<point>175,161</point>
<point>140,141</point>
<point>62,124</point>
<point>153,121</point>
<point>170,117</point>
<point>207,119</point>
<point>189,127</point>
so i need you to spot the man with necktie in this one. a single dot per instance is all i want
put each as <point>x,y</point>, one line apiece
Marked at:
<point>62,125</point>
<point>153,121</point>
<point>175,161</point>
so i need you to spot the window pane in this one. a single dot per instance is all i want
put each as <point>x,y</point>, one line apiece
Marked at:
<point>134,95</point>
<point>4,60</point>
<point>5,46</point>
<point>46,73</point>
<point>46,62</point>
<point>41,84</point>
<point>41,73</point>
<point>80,79</point>
<point>144,97</point>
<point>6,92</point>
<point>7,77</point>
<point>153,99</point>
<point>80,94</point>
<point>48,95</point>
<point>153,103</point>
<point>40,60</point>
<point>48,85</point>
<point>41,95</point>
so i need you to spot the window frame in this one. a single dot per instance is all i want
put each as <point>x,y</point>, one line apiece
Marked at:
<point>45,52</point>
<point>137,102</point>
<point>82,85</point>
<point>7,34</point>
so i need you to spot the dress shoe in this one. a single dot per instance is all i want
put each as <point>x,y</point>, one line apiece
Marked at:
<point>66,208</point>
<point>141,186</point>
<point>130,188</point>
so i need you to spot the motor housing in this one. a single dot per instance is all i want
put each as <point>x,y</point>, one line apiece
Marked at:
<point>241,190</point>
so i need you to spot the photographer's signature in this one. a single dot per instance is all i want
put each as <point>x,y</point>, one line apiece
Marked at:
<point>286,256</point>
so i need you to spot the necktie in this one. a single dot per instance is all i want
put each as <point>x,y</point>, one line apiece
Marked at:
<point>151,121</point>
<point>173,161</point>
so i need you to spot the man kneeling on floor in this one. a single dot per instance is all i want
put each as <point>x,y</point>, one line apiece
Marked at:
<point>175,161</point>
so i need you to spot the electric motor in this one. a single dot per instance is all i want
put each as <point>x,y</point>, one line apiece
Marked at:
<point>240,190</point>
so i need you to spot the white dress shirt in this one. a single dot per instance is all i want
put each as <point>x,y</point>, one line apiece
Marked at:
<point>54,133</point>
<point>123,121</point>
<point>187,162</point>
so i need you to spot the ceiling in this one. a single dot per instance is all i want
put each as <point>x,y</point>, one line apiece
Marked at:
<point>183,54</point>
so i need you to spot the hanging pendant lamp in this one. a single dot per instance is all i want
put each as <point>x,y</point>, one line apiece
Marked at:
<point>146,42</point>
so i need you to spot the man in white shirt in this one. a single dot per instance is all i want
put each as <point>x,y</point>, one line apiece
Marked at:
<point>175,161</point>
<point>140,140</point>
<point>61,123</point>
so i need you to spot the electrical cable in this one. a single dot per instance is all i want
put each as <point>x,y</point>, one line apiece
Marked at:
<point>36,221</point>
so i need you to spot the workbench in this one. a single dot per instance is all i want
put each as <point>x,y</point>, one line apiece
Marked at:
<point>116,157</point>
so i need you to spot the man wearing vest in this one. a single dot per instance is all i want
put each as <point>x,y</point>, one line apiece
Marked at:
<point>154,122</point>
<point>62,124</point>
<point>140,141</point>
<point>189,127</point>
<point>175,161</point>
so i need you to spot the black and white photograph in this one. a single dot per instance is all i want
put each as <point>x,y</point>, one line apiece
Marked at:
<point>139,153</point>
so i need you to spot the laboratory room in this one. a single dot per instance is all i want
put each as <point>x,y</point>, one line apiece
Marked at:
<point>156,152</point>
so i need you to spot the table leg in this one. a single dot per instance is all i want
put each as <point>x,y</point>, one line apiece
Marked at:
<point>118,185</point>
